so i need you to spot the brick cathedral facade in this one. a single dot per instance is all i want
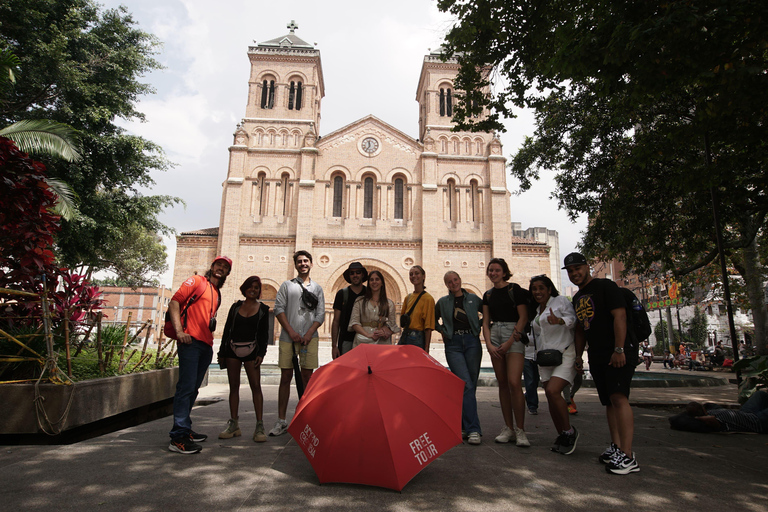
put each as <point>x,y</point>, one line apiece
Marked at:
<point>366,192</point>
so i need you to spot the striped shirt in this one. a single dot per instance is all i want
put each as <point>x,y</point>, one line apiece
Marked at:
<point>737,421</point>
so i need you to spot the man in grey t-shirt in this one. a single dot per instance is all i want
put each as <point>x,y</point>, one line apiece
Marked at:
<point>300,321</point>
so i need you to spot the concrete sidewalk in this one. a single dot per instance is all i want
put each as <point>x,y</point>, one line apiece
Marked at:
<point>132,470</point>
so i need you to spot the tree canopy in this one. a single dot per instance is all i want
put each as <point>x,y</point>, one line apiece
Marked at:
<point>83,66</point>
<point>643,110</point>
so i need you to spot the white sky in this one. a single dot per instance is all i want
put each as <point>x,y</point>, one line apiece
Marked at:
<point>371,55</point>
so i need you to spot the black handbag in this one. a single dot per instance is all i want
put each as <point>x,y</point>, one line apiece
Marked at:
<point>308,298</point>
<point>405,318</point>
<point>549,357</point>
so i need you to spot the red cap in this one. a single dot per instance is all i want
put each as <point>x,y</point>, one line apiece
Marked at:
<point>223,258</point>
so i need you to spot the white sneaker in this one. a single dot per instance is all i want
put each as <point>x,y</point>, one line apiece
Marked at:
<point>506,435</point>
<point>520,438</point>
<point>281,427</point>
<point>474,438</point>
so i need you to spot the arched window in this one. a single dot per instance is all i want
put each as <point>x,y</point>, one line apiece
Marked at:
<point>443,145</point>
<point>442,102</point>
<point>295,92</point>
<point>448,103</point>
<point>452,207</point>
<point>399,193</point>
<point>368,198</point>
<point>338,196</point>
<point>284,186</point>
<point>259,206</point>
<point>268,94</point>
<point>475,200</point>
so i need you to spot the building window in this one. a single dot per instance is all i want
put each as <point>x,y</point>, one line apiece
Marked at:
<point>284,186</point>
<point>268,94</point>
<point>260,194</point>
<point>446,103</point>
<point>338,196</point>
<point>368,198</point>
<point>452,200</point>
<point>399,186</point>
<point>294,96</point>
<point>475,199</point>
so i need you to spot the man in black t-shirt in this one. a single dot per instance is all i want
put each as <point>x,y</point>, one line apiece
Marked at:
<point>355,275</point>
<point>602,325</point>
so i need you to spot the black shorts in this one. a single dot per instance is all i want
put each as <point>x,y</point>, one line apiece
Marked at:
<point>609,380</point>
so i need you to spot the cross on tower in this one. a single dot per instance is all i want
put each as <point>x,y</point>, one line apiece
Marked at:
<point>292,26</point>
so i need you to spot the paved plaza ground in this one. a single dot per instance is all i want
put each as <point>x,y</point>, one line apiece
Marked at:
<point>132,470</point>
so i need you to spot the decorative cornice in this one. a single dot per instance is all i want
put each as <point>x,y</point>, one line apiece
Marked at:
<point>196,241</point>
<point>464,246</point>
<point>261,240</point>
<point>360,244</point>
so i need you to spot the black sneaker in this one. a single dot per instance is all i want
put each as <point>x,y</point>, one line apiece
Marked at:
<point>197,438</point>
<point>556,445</point>
<point>622,464</point>
<point>568,443</point>
<point>184,445</point>
<point>608,454</point>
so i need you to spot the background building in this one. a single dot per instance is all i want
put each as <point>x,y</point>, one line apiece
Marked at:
<point>142,304</point>
<point>366,192</point>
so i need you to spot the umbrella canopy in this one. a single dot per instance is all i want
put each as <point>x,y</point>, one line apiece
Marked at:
<point>378,415</point>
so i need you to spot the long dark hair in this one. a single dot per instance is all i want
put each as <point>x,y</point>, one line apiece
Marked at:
<point>383,302</point>
<point>547,282</point>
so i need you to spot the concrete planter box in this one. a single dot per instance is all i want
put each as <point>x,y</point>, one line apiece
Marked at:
<point>93,400</point>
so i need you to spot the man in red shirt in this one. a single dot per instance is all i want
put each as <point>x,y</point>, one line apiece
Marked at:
<point>193,312</point>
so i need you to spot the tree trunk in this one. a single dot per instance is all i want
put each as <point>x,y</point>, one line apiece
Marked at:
<point>753,278</point>
<point>670,328</point>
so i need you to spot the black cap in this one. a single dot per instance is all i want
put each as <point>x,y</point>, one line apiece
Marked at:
<point>575,258</point>
<point>355,265</point>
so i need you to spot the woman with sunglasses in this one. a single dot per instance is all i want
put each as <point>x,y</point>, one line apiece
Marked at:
<point>553,329</point>
<point>373,315</point>
<point>505,315</point>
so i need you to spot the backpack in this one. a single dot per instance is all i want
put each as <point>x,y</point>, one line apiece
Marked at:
<point>168,329</point>
<point>530,303</point>
<point>638,323</point>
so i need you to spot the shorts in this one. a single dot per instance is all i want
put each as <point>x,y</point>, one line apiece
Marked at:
<point>566,370</point>
<point>500,333</point>
<point>307,354</point>
<point>609,380</point>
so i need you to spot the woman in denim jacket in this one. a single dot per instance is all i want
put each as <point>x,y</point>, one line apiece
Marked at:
<point>457,319</point>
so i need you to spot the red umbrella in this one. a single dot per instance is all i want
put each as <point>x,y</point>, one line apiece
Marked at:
<point>378,415</point>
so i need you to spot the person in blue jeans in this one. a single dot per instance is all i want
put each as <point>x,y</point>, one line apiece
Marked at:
<point>457,318</point>
<point>531,379</point>
<point>192,311</point>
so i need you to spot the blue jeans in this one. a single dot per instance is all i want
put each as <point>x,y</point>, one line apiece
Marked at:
<point>412,338</point>
<point>194,359</point>
<point>758,405</point>
<point>464,354</point>
<point>531,380</point>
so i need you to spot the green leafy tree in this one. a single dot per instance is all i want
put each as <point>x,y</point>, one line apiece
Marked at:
<point>82,66</point>
<point>698,327</point>
<point>648,113</point>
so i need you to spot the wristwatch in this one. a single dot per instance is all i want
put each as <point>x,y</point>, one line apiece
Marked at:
<point>619,350</point>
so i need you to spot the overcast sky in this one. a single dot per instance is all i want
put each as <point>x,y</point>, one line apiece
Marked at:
<point>371,56</point>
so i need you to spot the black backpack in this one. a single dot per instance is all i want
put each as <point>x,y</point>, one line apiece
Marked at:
<point>638,323</point>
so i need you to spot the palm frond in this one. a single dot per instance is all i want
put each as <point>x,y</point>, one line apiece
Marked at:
<point>65,206</point>
<point>42,136</point>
